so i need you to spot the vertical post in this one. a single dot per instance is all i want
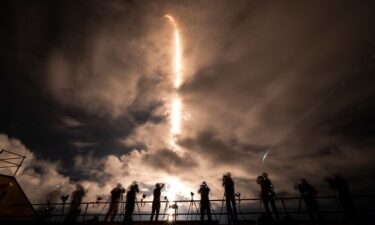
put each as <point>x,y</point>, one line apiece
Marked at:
<point>84,214</point>
<point>175,211</point>
<point>299,208</point>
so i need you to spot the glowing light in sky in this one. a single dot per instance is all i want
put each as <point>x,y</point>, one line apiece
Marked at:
<point>176,102</point>
<point>175,187</point>
<point>176,115</point>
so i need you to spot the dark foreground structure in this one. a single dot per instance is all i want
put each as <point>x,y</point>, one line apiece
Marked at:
<point>16,209</point>
<point>340,209</point>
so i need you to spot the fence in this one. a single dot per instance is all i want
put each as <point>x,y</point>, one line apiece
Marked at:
<point>188,210</point>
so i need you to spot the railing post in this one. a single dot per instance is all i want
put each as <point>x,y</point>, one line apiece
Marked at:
<point>84,214</point>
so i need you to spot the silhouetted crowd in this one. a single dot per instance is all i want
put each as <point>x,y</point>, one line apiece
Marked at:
<point>267,193</point>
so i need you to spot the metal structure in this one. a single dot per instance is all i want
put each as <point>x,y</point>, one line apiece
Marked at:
<point>251,209</point>
<point>11,160</point>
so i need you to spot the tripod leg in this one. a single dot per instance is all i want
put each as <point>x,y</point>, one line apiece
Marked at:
<point>213,211</point>
<point>299,208</point>
<point>221,210</point>
<point>139,211</point>
<point>197,209</point>
<point>165,210</point>
<point>188,212</point>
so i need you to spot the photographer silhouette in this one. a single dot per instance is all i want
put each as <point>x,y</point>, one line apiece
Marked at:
<point>204,191</point>
<point>228,184</point>
<point>268,195</point>
<point>116,198</point>
<point>130,203</point>
<point>156,201</point>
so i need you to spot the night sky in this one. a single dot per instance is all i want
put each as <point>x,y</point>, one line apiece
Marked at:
<point>86,88</point>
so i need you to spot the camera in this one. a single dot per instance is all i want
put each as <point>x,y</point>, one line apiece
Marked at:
<point>238,194</point>
<point>64,198</point>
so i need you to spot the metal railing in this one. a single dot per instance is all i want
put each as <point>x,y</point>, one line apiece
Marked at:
<point>248,209</point>
<point>11,160</point>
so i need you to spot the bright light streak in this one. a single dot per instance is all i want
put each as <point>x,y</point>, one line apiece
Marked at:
<point>176,115</point>
<point>176,102</point>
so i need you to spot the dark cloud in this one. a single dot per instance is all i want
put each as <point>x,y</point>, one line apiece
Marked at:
<point>213,149</point>
<point>88,84</point>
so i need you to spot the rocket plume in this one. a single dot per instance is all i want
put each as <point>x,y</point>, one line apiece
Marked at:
<point>176,102</point>
<point>173,185</point>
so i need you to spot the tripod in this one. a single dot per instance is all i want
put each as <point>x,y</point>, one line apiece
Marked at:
<point>166,207</point>
<point>191,206</point>
<point>222,206</point>
<point>175,207</point>
<point>213,211</point>
<point>139,211</point>
<point>238,204</point>
<point>231,211</point>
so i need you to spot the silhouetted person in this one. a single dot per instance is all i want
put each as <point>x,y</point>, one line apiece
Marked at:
<point>75,205</point>
<point>45,211</point>
<point>116,198</point>
<point>308,193</point>
<point>204,191</point>
<point>230,197</point>
<point>130,203</point>
<point>156,201</point>
<point>338,184</point>
<point>267,194</point>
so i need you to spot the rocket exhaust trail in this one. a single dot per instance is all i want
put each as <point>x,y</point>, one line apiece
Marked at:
<point>176,102</point>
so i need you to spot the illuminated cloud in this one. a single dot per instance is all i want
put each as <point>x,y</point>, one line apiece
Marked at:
<point>252,70</point>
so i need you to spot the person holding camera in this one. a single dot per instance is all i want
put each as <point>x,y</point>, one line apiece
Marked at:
<point>340,186</point>
<point>116,198</point>
<point>267,193</point>
<point>156,202</point>
<point>75,204</point>
<point>308,193</point>
<point>228,184</point>
<point>130,202</point>
<point>204,191</point>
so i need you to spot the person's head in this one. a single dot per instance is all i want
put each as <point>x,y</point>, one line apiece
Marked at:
<point>157,185</point>
<point>79,186</point>
<point>259,179</point>
<point>265,175</point>
<point>119,185</point>
<point>134,183</point>
<point>204,184</point>
<point>226,176</point>
<point>303,181</point>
